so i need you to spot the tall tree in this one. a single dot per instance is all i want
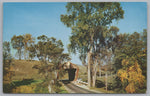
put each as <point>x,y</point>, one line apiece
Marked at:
<point>143,57</point>
<point>42,48</point>
<point>28,40</point>
<point>86,20</point>
<point>7,62</point>
<point>50,53</point>
<point>17,43</point>
<point>32,51</point>
<point>104,50</point>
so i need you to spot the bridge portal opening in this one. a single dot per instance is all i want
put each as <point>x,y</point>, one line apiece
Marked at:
<point>71,69</point>
<point>71,74</point>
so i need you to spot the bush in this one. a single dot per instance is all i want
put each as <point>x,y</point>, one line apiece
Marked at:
<point>7,88</point>
<point>114,83</point>
<point>110,86</point>
<point>99,84</point>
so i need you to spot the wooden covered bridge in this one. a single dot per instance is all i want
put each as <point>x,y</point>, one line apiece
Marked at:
<point>72,69</point>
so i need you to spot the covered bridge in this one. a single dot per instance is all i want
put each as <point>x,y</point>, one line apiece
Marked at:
<point>72,69</point>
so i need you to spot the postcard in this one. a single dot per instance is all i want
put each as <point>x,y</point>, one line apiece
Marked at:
<point>75,47</point>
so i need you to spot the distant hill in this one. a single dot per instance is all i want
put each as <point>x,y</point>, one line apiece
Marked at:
<point>82,72</point>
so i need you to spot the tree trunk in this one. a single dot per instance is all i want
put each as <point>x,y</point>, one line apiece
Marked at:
<point>106,83</point>
<point>45,56</point>
<point>89,69</point>
<point>100,71</point>
<point>89,61</point>
<point>19,52</point>
<point>25,51</point>
<point>58,74</point>
<point>28,55</point>
<point>94,73</point>
<point>49,88</point>
<point>111,70</point>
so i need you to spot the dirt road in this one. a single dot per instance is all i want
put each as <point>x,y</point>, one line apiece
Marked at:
<point>71,88</point>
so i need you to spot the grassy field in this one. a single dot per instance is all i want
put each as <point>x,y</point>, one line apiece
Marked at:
<point>26,79</point>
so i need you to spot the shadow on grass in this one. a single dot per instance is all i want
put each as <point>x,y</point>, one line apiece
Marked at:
<point>7,88</point>
<point>24,82</point>
<point>65,81</point>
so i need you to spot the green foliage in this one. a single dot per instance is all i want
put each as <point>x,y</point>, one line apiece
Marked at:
<point>114,83</point>
<point>7,62</point>
<point>28,40</point>
<point>17,43</point>
<point>23,42</point>
<point>99,84</point>
<point>50,50</point>
<point>88,21</point>
<point>80,13</point>
<point>6,50</point>
<point>32,51</point>
<point>7,87</point>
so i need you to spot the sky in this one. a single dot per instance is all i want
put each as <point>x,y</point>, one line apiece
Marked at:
<point>44,18</point>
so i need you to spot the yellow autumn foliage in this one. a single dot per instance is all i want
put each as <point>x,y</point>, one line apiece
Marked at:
<point>123,74</point>
<point>130,88</point>
<point>125,62</point>
<point>133,74</point>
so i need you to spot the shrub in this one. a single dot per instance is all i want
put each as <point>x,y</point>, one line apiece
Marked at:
<point>7,88</point>
<point>99,84</point>
<point>114,83</point>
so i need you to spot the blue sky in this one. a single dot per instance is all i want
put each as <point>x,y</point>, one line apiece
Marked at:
<point>44,18</point>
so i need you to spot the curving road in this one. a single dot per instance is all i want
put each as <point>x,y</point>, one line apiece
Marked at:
<point>71,88</point>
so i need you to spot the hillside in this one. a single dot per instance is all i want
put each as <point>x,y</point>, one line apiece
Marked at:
<point>82,73</point>
<point>23,70</point>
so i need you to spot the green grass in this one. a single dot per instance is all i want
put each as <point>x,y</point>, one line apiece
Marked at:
<point>63,90</point>
<point>7,88</point>
<point>103,90</point>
